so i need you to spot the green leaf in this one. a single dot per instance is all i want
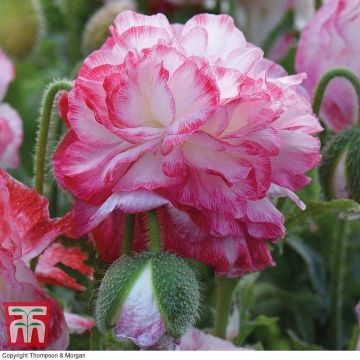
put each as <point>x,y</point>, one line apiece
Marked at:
<point>299,344</point>
<point>313,260</point>
<point>17,310</point>
<point>298,220</point>
<point>245,299</point>
<point>97,340</point>
<point>354,338</point>
<point>35,324</point>
<point>20,324</point>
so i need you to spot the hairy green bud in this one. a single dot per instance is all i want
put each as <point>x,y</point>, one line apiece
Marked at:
<point>151,299</point>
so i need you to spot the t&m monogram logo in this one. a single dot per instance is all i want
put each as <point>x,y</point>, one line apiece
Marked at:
<point>27,324</point>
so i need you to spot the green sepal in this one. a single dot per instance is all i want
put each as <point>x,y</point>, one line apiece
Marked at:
<point>177,292</point>
<point>174,285</point>
<point>353,165</point>
<point>115,288</point>
<point>332,153</point>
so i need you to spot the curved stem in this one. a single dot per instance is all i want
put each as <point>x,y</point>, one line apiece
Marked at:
<point>128,234</point>
<point>43,135</point>
<point>320,90</point>
<point>154,232</point>
<point>225,289</point>
<point>54,191</point>
<point>337,282</point>
<point>217,8</point>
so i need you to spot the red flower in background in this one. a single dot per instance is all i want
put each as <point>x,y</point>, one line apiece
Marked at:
<point>26,231</point>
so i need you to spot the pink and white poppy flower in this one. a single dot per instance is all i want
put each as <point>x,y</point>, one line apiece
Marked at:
<point>173,115</point>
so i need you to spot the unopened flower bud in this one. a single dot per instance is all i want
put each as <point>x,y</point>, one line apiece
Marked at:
<point>151,299</point>
<point>20,26</point>
<point>97,28</point>
<point>340,166</point>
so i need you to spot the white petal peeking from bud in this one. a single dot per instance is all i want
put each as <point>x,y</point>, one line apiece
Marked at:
<point>339,186</point>
<point>140,319</point>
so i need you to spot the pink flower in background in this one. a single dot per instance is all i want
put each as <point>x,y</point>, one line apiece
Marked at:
<point>258,18</point>
<point>174,115</point>
<point>330,41</point>
<point>195,339</point>
<point>11,133</point>
<point>78,324</point>
<point>7,74</point>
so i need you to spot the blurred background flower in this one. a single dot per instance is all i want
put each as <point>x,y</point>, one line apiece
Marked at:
<point>11,129</point>
<point>329,41</point>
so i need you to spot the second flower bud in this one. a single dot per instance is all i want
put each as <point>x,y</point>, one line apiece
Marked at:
<point>150,299</point>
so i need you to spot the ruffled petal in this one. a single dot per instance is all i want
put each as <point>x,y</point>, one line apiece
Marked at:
<point>47,272</point>
<point>26,218</point>
<point>78,324</point>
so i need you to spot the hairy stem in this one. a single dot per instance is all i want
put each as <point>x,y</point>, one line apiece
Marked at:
<point>43,134</point>
<point>154,232</point>
<point>225,289</point>
<point>337,283</point>
<point>128,234</point>
<point>318,4</point>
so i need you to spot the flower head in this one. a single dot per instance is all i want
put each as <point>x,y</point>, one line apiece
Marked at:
<point>330,41</point>
<point>174,115</point>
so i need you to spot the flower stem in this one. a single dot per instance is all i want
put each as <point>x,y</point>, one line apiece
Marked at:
<point>43,134</point>
<point>154,232</point>
<point>54,191</point>
<point>318,4</point>
<point>337,283</point>
<point>225,289</point>
<point>233,9</point>
<point>320,90</point>
<point>128,234</point>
